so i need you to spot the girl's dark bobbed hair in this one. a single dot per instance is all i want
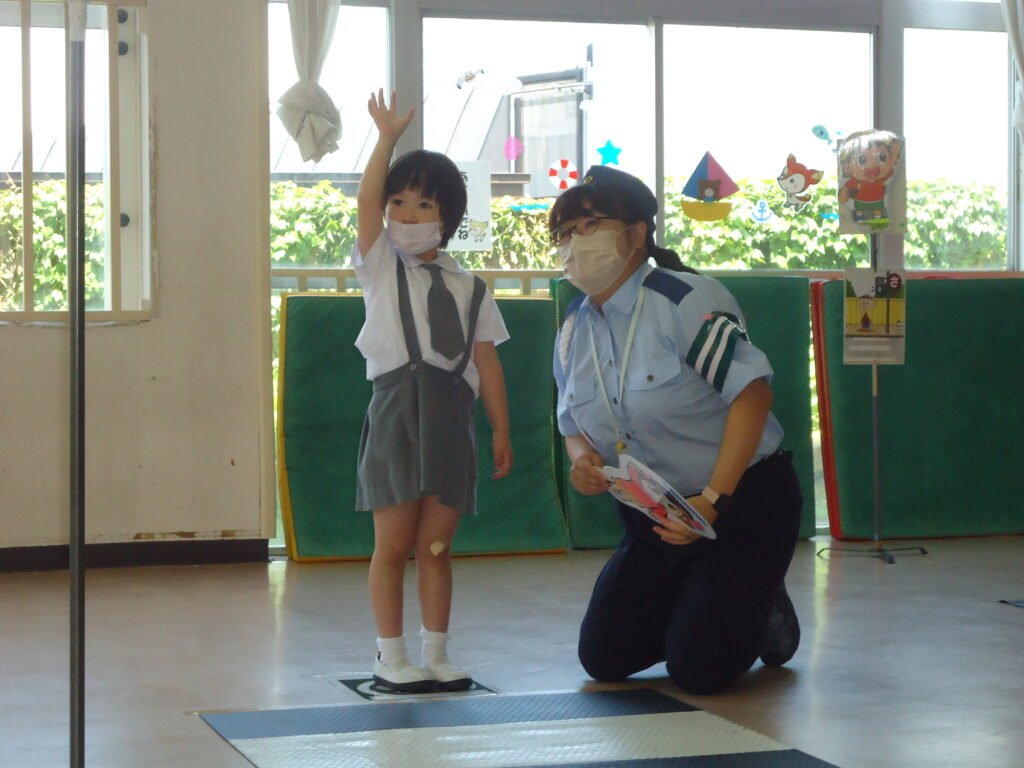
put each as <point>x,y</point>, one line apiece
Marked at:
<point>615,193</point>
<point>434,176</point>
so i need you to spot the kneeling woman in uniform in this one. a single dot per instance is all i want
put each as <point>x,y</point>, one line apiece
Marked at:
<point>655,362</point>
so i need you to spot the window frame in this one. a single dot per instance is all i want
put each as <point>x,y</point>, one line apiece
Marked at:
<point>967,15</point>
<point>128,279</point>
<point>885,21</point>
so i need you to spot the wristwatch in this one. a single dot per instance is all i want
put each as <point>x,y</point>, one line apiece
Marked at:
<point>723,503</point>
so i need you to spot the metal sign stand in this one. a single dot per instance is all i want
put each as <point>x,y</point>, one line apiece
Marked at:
<point>876,550</point>
<point>75,16</point>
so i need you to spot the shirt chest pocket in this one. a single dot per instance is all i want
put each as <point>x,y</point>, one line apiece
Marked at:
<point>579,390</point>
<point>652,372</point>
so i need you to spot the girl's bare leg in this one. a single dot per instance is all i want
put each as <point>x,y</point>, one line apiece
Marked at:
<point>437,526</point>
<point>394,532</point>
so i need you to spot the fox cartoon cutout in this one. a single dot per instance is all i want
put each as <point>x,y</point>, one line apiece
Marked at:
<point>794,179</point>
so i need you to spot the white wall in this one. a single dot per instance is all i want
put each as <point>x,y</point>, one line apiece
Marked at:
<point>179,440</point>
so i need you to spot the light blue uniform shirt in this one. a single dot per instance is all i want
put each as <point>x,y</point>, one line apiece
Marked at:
<point>689,360</point>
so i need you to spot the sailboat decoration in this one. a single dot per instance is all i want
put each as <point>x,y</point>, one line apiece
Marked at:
<point>708,185</point>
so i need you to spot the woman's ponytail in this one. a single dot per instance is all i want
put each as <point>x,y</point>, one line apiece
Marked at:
<point>663,257</point>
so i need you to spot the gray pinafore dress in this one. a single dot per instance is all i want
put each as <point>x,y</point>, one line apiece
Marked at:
<point>418,438</point>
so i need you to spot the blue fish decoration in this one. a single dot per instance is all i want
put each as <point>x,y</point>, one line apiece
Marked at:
<point>822,133</point>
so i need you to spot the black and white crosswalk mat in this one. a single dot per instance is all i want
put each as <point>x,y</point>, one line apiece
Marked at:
<point>635,728</point>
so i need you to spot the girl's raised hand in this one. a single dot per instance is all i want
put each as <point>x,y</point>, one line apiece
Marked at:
<point>388,121</point>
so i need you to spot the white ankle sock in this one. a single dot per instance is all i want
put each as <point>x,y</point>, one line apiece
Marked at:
<point>435,646</point>
<point>392,651</point>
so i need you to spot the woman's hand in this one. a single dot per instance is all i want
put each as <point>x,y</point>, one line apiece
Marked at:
<point>586,476</point>
<point>673,532</point>
<point>389,123</point>
<point>502,449</point>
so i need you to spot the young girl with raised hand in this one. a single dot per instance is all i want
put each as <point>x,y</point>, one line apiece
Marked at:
<point>429,342</point>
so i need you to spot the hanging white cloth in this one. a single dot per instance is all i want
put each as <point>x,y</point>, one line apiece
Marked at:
<point>306,110</point>
<point>1013,16</point>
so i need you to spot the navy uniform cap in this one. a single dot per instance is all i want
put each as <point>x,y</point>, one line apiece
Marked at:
<point>625,184</point>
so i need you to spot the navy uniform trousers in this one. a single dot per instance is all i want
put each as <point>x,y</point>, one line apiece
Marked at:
<point>700,607</point>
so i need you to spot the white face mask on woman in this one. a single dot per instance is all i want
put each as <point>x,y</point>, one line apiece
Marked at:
<point>592,262</point>
<point>414,239</point>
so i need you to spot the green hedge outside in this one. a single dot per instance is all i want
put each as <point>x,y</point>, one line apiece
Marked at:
<point>50,249</point>
<point>950,226</point>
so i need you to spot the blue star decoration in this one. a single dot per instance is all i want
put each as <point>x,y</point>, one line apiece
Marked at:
<point>609,153</point>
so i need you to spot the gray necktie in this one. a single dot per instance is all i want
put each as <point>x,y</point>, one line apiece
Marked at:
<point>442,312</point>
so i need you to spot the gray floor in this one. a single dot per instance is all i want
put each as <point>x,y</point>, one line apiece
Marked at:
<point>912,664</point>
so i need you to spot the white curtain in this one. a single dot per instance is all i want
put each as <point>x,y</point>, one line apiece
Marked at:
<point>1013,15</point>
<point>305,109</point>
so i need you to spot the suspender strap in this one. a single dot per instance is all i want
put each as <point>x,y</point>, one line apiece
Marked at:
<point>479,288</point>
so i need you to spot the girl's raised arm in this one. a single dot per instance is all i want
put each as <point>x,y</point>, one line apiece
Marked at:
<point>370,198</point>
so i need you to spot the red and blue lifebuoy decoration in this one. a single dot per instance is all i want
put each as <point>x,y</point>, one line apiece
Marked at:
<point>563,174</point>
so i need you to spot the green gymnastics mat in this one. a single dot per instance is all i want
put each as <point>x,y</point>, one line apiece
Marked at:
<point>950,417</point>
<point>777,311</point>
<point>322,398</point>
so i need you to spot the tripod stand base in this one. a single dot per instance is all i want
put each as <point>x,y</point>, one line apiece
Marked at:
<point>876,551</point>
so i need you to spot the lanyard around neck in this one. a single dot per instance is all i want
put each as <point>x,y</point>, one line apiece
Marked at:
<point>620,446</point>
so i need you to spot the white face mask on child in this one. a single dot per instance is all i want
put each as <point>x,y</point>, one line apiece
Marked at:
<point>414,239</point>
<point>592,262</point>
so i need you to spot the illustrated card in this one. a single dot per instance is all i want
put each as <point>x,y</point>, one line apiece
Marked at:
<point>638,486</point>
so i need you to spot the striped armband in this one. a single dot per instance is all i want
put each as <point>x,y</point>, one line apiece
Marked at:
<point>711,353</point>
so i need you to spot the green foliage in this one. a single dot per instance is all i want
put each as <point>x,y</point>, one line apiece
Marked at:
<point>787,240</point>
<point>951,226</point>
<point>520,238</point>
<point>49,223</point>
<point>311,226</point>
<point>955,226</point>
<point>11,235</point>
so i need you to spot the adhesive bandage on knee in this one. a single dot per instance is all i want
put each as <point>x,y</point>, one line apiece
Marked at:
<point>437,548</point>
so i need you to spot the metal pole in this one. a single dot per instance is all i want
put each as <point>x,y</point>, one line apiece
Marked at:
<point>75,13</point>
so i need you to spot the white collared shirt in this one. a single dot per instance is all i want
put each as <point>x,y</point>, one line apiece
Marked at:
<point>381,339</point>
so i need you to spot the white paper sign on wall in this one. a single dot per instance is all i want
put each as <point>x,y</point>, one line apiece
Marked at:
<point>474,233</point>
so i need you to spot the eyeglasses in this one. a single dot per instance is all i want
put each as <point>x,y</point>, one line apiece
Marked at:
<point>582,227</point>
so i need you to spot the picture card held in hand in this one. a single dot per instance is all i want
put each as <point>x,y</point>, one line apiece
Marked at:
<point>638,486</point>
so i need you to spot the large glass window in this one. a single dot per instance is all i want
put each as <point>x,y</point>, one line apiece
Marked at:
<point>751,98</point>
<point>37,71</point>
<point>49,156</point>
<point>539,102</point>
<point>12,274</point>
<point>956,118</point>
<point>313,207</point>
